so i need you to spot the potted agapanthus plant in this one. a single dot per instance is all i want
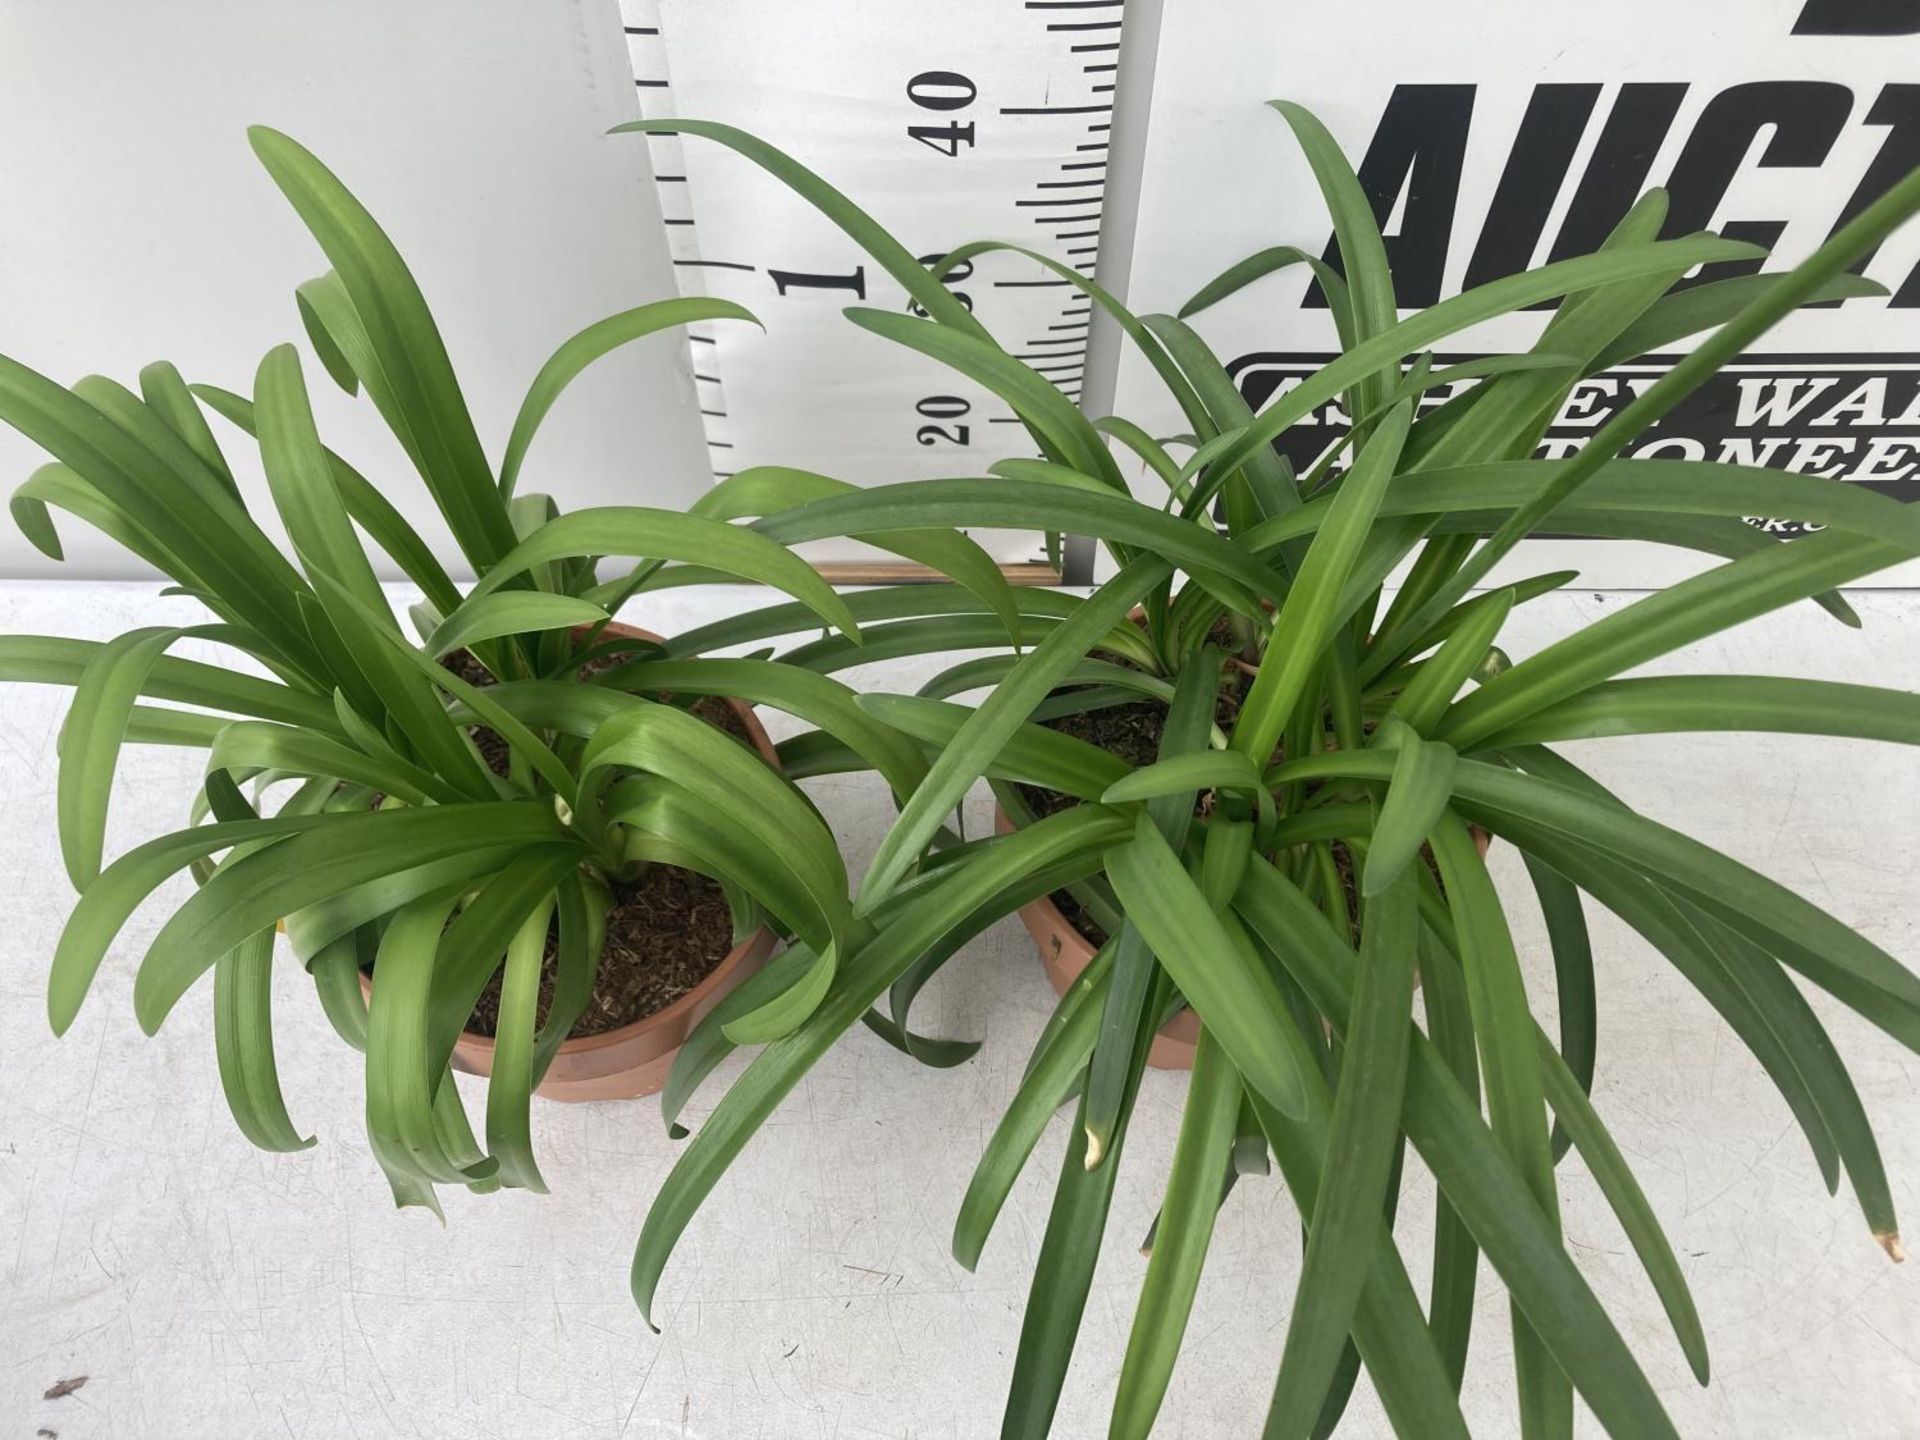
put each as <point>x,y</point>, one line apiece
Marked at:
<point>1288,843</point>
<point>542,843</point>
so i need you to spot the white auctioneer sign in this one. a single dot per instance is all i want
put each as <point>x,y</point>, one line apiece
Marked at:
<point>1494,135</point>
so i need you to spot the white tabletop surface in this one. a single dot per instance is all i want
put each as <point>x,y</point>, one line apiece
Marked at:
<point>206,1289</point>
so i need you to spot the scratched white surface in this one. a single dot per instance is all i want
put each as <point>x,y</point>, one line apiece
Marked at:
<point>209,1290</point>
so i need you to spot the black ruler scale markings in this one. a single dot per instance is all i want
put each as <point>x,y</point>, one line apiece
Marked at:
<point>1006,139</point>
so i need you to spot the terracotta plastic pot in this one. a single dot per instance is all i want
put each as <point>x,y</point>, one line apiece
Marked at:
<point>634,1060</point>
<point>1065,953</point>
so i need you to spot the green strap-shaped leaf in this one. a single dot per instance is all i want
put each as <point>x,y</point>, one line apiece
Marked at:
<point>670,535</point>
<point>90,740</point>
<point>370,509</point>
<point>1231,991</point>
<point>985,733</point>
<point>1497,995</point>
<point>1859,236</point>
<point>1360,1150</point>
<point>510,612</point>
<point>521,740</point>
<point>1485,1188</point>
<point>1670,704</point>
<point>1698,308</point>
<point>1264,473</point>
<point>898,261</point>
<point>1059,1060</point>
<point>707,1044</point>
<point>1418,793</point>
<point>1702,605</point>
<point>728,846</point>
<point>334,853</point>
<point>243,1044</point>
<point>1440,677</point>
<point>400,1084</point>
<point>580,350</point>
<point>1180,1241</point>
<point>168,396</point>
<point>186,513</point>
<point>956,906</point>
<point>1309,613</point>
<point>1017,504</point>
<point>1799,934</point>
<point>1622,488</point>
<point>1130,325</point>
<point>769,489</point>
<point>1363,254</point>
<point>906,638</point>
<point>1258,266</point>
<point>248,745</point>
<point>779,1013</point>
<point>1138,989</point>
<point>413,384</point>
<point>1456,1258</point>
<point>885,602</point>
<point>512,1076</point>
<point>802,693</point>
<point>1498,297</point>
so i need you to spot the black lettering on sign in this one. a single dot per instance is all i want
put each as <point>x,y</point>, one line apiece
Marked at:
<point>1418,149</point>
<point>1805,117</point>
<point>1846,417</point>
<point>1898,108</point>
<point>1616,172</point>
<point>1859,17</point>
<point>1542,154</point>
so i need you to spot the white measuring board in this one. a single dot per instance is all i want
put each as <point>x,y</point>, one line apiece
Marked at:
<point>947,123</point>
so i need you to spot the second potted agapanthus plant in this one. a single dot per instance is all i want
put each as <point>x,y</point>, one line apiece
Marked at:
<point>1282,839</point>
<point>531,841</point>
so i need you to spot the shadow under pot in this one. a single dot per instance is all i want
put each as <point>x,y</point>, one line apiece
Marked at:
<point>608,1056</point>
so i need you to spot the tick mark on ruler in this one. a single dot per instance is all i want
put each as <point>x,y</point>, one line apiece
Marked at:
<point>1092,49</point>
<point>1085,165</point>
<point>1076,234</point>
<point>1084,25</point>
<point>1025,284</point>
<point>717,264</point>
<point>1068,184</point>
<point>651,84</point>
<point>642,29</point>
<point>1055,109</point>
<point>1073,4</point>
<point>1055,200</point>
